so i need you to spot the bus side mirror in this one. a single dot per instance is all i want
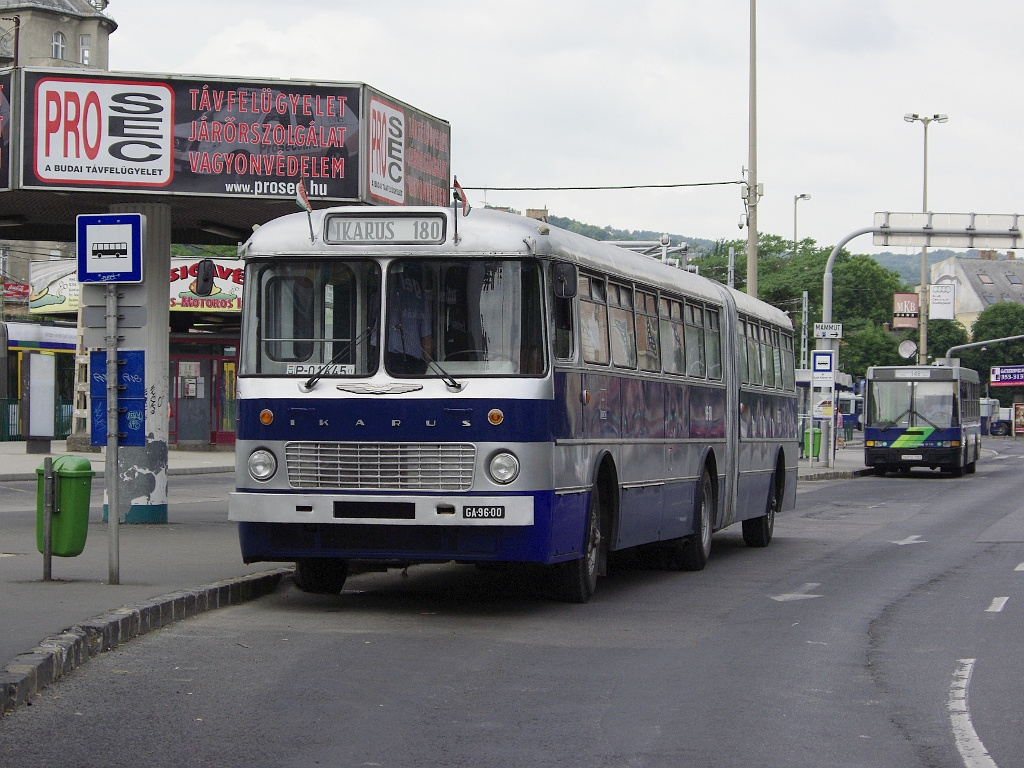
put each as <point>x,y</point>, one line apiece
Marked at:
<point>565,279</point>
<point>204,277</point>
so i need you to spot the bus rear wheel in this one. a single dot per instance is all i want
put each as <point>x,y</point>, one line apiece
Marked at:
<point>757,532</point>
<point>321,575</point>
<point>576,580</point>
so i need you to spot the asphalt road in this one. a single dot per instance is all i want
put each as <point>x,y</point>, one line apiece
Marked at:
<point>872,632</point>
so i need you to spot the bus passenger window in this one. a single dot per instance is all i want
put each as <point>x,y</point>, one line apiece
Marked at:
<point>623,339</point>
<point>753,355</point>
<point>563,326</point>
<point>593,320</point>
<point>741,346</point>
<point>672,336</point>
<point>647,331</point>
<point>696,358</point>
<point>713,341</point>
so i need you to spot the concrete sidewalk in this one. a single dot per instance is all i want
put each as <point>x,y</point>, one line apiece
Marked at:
<point>167,571</point>
<point>161,567</point>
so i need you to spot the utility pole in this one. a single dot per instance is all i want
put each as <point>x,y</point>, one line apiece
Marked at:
<point>752,186</point>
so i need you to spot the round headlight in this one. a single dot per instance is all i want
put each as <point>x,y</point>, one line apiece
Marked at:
<point>262,464</point>
<point>503,468</point>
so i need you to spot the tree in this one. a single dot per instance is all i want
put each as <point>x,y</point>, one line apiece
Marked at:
<point>998,321</point>
<point>870,345</point>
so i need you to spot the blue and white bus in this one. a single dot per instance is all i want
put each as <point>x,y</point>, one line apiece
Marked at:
<point>922,416</point>
<point>421,386</point>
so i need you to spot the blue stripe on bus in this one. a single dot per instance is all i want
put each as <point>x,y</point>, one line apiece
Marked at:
<point>618,408</point>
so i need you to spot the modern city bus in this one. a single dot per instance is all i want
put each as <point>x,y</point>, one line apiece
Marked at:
<point>419,385</point>
<point>922,416</point>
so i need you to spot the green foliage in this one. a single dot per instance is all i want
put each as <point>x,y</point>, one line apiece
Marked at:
<point>998,321</point>
<point>870,345</point>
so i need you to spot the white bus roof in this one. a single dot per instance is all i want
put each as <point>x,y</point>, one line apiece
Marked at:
<point>492,232</point>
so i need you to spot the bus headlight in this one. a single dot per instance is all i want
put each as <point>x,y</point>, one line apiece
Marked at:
<point>262,464</point>
<point>503,468</point>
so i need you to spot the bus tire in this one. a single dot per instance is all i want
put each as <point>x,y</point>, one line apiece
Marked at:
<point>694,550</point>
<point>576,580</point>
<point>321,575</point>
<point>757,532</point>
<point>971,468</point>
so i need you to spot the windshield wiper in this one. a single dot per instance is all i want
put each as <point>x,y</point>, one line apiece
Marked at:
<point>312,380</point>
<point>446,377</point>
<point>890,424</point>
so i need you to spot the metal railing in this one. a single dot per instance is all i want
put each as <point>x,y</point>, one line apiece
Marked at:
<point>10,421</point>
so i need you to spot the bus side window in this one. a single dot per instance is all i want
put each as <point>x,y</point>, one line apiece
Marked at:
<point>672,336</point>
<point>696,357</point>
<point>713,340</point>
<point>741,345</point>
<point>647,331</point>
<point>593,320</point>
<point>623,337</point>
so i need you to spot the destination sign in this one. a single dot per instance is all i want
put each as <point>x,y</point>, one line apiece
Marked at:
<point>386,230</point>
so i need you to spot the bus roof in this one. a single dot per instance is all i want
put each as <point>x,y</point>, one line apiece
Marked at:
<point>491,232</point>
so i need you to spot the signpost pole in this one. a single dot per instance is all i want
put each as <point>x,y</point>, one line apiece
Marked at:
<point>110,470</point>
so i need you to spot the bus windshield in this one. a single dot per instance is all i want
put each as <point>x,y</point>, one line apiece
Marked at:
<point>913,404</point>
<point>462,317</point>
<point>459,318</point>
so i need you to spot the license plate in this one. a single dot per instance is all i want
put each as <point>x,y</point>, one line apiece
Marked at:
<point>483,513</point>
<point>912,457</point>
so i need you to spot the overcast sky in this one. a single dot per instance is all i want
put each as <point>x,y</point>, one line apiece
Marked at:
<point>602,92</point>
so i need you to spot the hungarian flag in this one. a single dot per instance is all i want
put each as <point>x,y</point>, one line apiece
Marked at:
<point>301,199</point>
<point>460,196</point>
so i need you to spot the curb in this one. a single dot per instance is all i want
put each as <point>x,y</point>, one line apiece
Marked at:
<point>29,673</point>
<point>838,474</point>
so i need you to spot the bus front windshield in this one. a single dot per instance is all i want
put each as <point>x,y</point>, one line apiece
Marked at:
<point>452,318</point>
<point>913,404</point>
<point>465,317</point>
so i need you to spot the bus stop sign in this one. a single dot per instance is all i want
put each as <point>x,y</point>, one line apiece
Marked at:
<point>110,247</point>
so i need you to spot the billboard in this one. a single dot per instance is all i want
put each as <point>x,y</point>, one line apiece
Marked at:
<point>228,138</point>
<point>55,288</point>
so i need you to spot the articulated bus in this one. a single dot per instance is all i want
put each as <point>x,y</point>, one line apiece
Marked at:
<point>922,416</point>
<point>420,386</point>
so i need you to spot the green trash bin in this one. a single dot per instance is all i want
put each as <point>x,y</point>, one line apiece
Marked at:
<point>72,486</point>
<point>807,442</point>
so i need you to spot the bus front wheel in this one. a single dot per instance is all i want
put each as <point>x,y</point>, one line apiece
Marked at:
<point>576,580</point>
<point>321,575</point>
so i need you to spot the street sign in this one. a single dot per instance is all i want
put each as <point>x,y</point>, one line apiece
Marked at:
<point>828,330</point>
<point>110,247</point>
<point>1007,376</point>
<point>948,230</point>
<point>941,304</point>
<point>131,406</point>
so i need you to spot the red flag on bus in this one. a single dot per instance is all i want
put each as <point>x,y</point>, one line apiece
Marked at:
<point>301,199</point>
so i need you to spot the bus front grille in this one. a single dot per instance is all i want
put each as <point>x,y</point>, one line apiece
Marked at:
<point>381,466</point>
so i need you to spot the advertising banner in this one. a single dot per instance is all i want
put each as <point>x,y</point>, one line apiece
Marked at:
<point>229,138</point>
<point>904,310</point>
<point>942,301</point>
<point>55,288</point>
<point>5,129</point>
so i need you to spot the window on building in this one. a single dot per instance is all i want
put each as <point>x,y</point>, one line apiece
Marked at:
<point>1014,280</point>
<point>985,278</point>
<point>84,47</point>
<point>989,299</point>
<point>59,45</point>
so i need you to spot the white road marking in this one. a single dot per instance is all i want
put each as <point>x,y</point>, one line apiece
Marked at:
<point>909,540</point>
<point>998,603</point>
<point>1019,567</point>
<point>800,594</point>
<point>968,744</point>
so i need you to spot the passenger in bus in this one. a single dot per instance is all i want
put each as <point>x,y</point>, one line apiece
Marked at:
<point>410,332</point>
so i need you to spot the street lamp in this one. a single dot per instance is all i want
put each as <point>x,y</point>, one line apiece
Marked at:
<point>922,302</point>
<point>797,199</point>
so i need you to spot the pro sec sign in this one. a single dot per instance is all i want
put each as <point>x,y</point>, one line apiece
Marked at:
<point>105,132</point>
